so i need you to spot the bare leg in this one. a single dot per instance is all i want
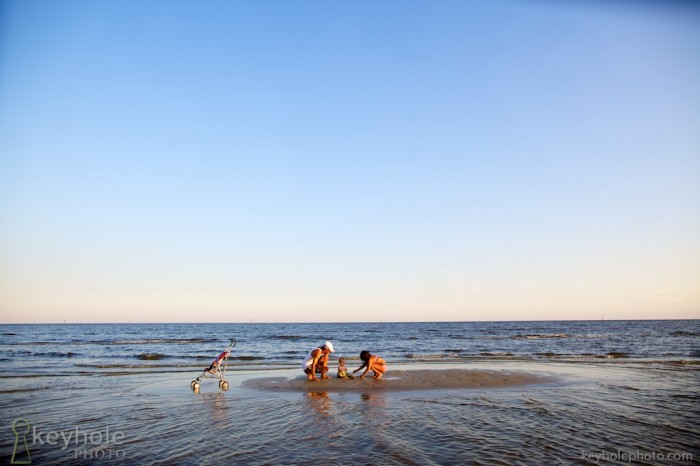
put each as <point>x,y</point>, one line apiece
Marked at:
<point>378,370</point>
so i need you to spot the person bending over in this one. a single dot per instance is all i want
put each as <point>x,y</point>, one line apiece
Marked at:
<point>317,361</point>
<point>371,363</point>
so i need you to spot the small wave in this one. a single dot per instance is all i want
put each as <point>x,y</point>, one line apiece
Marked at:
<point>502,354</point>
<point>135,366</point>
<point>426,356</point>
<point>146,341</point>
<point>55,354</point>
<point>594,336</point>
<point>453,350</point>
<point>582,356</point>
<point>154,341</point>
<point>10,334</point>
<point>689,396</point>
<point>287,337</point>
<point>623,387</point>
<point>575,357</point>
<point>541,336</point>
<point>21,390</point>
<point>247,358</point>
<point>151,356</point>
<point>35,343</point>
<point>684,333</point>
<point>616,355</point>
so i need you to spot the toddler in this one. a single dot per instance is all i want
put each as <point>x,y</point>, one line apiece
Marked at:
<point>342,372</point>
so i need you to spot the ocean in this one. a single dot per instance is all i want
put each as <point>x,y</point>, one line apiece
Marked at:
<point>625,390</point>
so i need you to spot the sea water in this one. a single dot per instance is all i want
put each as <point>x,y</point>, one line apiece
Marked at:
<point>62,349</point>
<point>628,391</point>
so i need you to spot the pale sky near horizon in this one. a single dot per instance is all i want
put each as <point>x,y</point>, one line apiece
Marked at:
<point>172,161</point>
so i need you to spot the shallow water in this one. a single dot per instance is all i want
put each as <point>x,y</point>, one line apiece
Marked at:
<point>598,410</point>
<point>590,410</point>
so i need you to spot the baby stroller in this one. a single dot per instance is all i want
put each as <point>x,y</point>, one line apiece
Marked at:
<point>216,369</point>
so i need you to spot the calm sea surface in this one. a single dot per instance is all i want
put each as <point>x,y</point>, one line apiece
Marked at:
<point>627,388</point>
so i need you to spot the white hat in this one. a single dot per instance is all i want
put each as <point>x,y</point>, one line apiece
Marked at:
<point>329,345</point>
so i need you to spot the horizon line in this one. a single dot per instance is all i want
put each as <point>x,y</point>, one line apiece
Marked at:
<point>340,322</point>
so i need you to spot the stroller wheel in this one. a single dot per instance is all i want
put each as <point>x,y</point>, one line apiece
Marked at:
<point>220,382</point>
<point>192,384</point>
<point>196,389</point>
<point>224,386</point>
<point>195,386</point>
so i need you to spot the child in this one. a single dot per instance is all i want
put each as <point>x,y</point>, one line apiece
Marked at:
<point>371,363</point>
<point>342,374</point>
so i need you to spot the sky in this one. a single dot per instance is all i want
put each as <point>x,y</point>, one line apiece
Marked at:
<point>223,161</point>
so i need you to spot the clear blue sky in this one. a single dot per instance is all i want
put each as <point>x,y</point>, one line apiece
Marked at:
<point>349,161</point>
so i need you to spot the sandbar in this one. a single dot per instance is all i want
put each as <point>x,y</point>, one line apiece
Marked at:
<point>421,379</point>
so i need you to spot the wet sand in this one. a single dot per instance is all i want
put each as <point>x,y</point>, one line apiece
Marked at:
<point>425,379</point>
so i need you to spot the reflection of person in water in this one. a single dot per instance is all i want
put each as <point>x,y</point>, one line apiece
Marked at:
<point>371,363</point>
<point>319,401</point>
<point>317,361</point>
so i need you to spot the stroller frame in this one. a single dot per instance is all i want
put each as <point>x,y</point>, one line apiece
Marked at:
<point>216,369</point>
